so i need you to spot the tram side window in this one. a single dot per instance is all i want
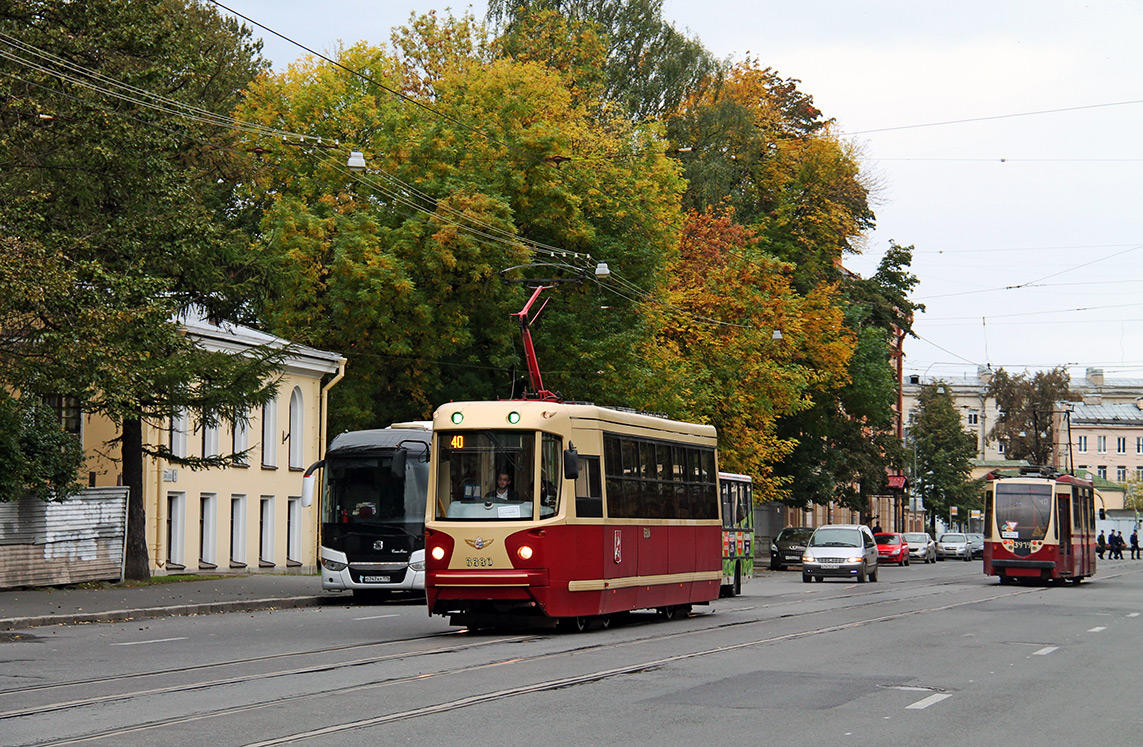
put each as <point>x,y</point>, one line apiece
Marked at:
<point>551,475</point>
<point>649,479</point>
<point>588,492</point>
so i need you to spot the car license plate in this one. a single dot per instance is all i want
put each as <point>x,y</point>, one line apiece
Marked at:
<point>830,566</point>
<point>793,557</point>
<point>375,579</point>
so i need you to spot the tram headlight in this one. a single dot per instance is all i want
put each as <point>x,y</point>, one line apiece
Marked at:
<point>525,552</point>
<point>438,553</point>
<point>332,565</point>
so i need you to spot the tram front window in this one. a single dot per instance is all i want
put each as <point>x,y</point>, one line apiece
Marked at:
<point>486,475</point>
<point>1023,510</point>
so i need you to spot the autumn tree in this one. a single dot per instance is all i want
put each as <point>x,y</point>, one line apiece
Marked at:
<point>1026,404</point>
<point>943,451</point>
<point>647,65</point>
<point>118,216</point>
<point>401,268</point>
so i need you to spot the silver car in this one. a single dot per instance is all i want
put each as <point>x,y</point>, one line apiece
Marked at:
<point>954,545</point>
<point>845,550</point>
<point>977,541</point>
<point>922,547</point>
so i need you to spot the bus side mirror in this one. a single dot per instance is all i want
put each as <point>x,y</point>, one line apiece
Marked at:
<point>571,462</point>
<point>308,480</point>
<point>397,466</point>
<point>1102,514</point>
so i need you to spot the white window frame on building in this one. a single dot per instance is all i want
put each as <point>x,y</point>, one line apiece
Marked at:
<point>297,433</point>
<point>973,418</point>
<point>178,435</point>
<point>240,442</point>
<point>1081,444</point>
<point>176,530</point>
<point>1121,473</point>
<point>1139,444</point>
<point>1101,444</point>
<point>266,532</point>
<point>1101,470</point>
<point>294,530</point>
<point>210,441</point>
<point>1121,445</point>
<point>270,434</point>
<point>237,530</point>
<point>207,530</point>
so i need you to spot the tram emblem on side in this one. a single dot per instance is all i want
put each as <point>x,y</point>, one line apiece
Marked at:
<point>618,546</point>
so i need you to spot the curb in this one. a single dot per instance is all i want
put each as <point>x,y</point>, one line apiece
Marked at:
<point>245,605</point>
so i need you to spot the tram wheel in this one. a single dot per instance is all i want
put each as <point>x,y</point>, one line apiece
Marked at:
<point>667,613</point>
<point>605,621</point>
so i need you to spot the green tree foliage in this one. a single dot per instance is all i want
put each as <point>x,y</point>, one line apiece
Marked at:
<point>647,66</point>
<point>944,453</point>
<point>400,269</point>
<point>1026,404</point>
<point>40,458</point>
<point>130,209</point>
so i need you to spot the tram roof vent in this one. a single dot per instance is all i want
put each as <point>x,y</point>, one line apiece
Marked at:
<point>1037,470</point>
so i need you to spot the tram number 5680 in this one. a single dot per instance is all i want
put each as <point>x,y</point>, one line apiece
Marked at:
<point>478,562</point>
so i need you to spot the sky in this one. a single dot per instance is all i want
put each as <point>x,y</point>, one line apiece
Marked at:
<point>1000,138</point>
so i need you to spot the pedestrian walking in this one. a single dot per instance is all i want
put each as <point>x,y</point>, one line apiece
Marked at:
<point>1135,544</point>
<point>1101,544</point>
<point>1112,543</point>
<point>1119,543</point>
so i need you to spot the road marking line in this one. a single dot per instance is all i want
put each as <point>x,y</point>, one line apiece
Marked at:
<point>926,702</point>
<point>1096,630</point>
<point>143,643</point>
<point>1045,651</point>
<point>1133,614</point>
<point>375,617</point>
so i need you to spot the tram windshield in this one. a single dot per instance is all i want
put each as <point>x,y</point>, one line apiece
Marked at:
<point>491,475</point>
<point>1023,510</point>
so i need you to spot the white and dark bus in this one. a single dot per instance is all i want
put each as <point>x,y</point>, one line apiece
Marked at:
<point>373,509</point>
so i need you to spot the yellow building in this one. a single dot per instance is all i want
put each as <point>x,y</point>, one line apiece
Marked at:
<point>246,518</point>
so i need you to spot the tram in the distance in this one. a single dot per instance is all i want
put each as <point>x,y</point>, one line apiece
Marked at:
<point>1039,525</point>
<point>543,512</point>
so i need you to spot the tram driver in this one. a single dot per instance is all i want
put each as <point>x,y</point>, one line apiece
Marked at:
<point>503,491</point>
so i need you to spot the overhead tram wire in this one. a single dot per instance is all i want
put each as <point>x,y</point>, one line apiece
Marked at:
<point>993,117</point>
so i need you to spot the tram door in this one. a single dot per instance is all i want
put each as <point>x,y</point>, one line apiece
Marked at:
<point>1064,519</point>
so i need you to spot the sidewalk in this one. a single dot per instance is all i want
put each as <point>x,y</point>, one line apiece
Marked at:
<point>20,608</point>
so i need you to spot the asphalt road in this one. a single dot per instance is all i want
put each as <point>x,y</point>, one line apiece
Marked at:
<point>931,654</point>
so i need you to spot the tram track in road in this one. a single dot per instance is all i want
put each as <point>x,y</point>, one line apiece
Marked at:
<point>476,699</point>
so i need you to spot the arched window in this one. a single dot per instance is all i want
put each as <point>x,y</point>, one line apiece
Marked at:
<point>297,434</point>
<point>269,433</point>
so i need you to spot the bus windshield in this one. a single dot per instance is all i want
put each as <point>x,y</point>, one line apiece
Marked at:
<point>363,490</point>
<point>489,475</point>
<point>1023,510</point>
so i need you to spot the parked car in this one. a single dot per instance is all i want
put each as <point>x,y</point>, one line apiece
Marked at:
<point>845,550</point>
<point>977,541</point>
<point>954,545</point>
<point>788,546</point>
<point>922,546</point>
<point>892,548</point>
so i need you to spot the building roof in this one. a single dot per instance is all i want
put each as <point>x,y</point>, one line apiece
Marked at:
<point>1121,413</point>
<point>232,338</point>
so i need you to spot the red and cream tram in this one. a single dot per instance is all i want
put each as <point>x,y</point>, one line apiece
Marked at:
<point>543,512</point>
<point>1039,525</point>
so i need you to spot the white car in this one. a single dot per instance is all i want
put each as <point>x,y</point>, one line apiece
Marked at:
<point>922,547</point>
<point>954,545</point>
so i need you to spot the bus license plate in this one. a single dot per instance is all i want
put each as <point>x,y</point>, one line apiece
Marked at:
<point>374,579</point>
<point>830,566</point>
